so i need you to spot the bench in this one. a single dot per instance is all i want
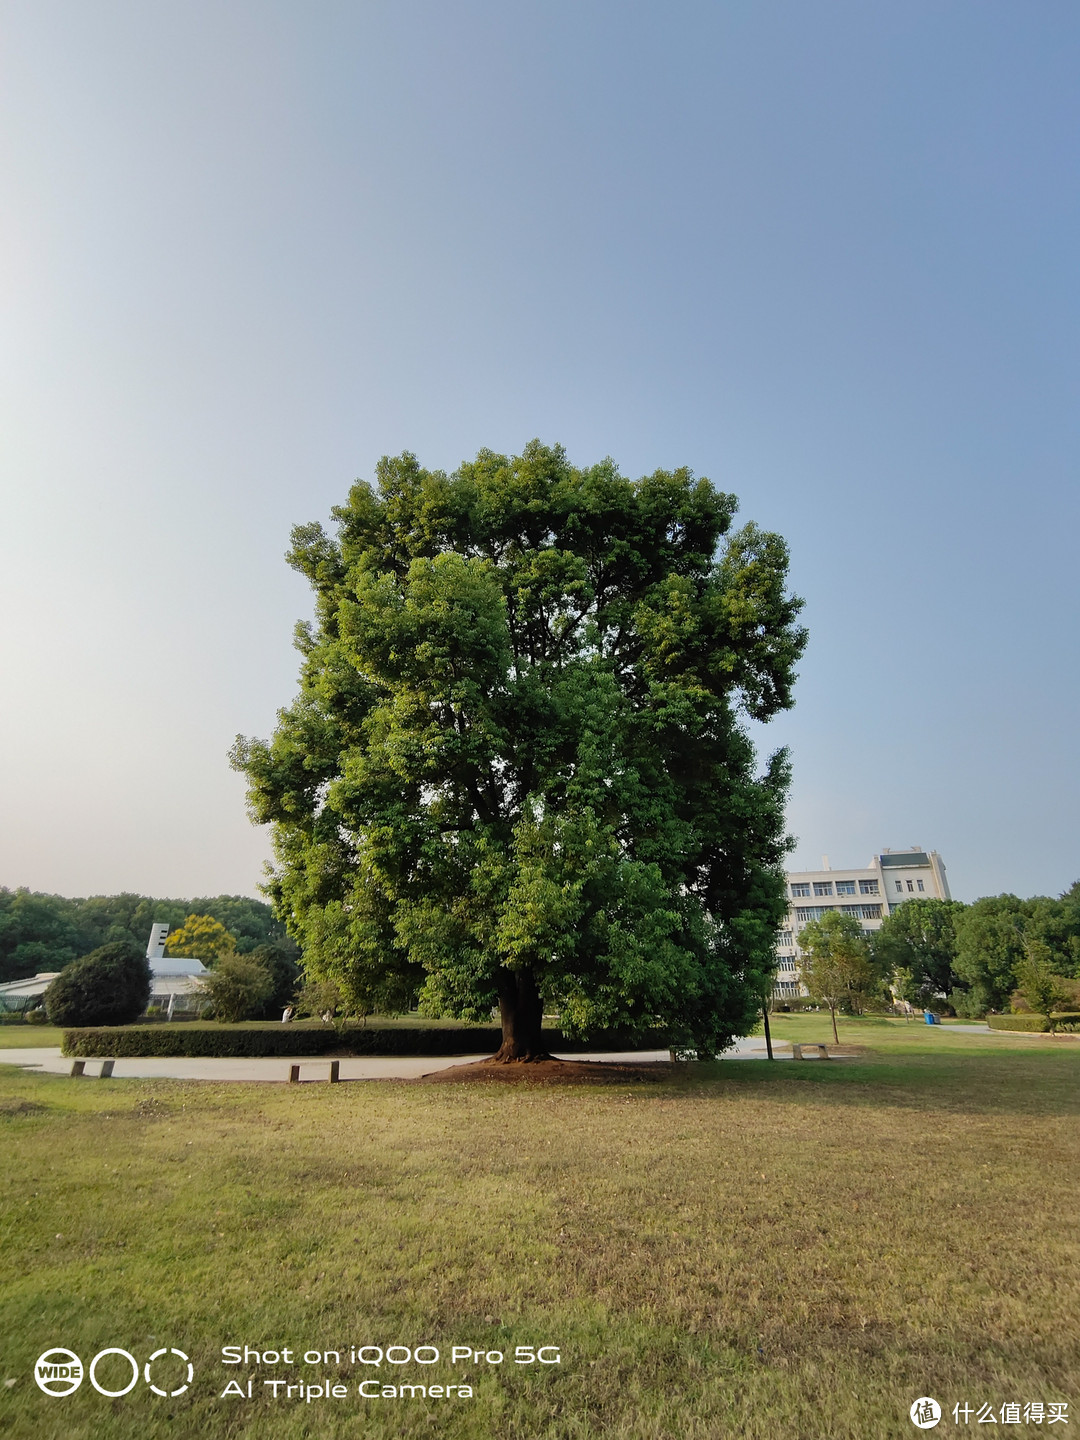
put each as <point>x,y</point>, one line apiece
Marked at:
<point>797,1051</point>
<point>105,1073</point>
<point>335,1071</point>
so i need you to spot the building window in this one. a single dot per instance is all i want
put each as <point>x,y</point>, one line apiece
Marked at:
<point>784,939</point>
<point>900,886</point>
<point>868,887</point>
<point>845,887</point>
<point>798,890</point>
<point>864,912</point>
<point>822,887</point>
<point>920,885</point>
<point>911,887</point>
<point>811,912</point>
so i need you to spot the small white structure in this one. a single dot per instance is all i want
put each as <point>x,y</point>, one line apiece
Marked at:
<point>22,995</point>
<point>171,980</point>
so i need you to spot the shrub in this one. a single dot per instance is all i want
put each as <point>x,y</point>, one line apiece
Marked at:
<point>323,1000</point>
<point>110,986</point>
<point>1033,1024</point>
<point>237,986</point>
<point>269,1040</point>
<point>285,974</point>
<point>37,1016</point>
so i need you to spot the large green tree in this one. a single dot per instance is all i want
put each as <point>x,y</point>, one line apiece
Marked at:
<point>989,950</point>
<point>836,965</point>
<point>916,948</point>
<point>518,771</point>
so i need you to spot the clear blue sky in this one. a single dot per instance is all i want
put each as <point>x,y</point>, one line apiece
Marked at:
<point>825,254</point>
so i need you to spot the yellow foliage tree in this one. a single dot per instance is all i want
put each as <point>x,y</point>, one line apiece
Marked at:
<point>201,937</point>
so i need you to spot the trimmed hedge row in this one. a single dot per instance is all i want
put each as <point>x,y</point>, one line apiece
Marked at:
<point>134,1041</point>
<point>1030,1024</point>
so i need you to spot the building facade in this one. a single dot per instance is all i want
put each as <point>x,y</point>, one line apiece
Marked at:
<point>869,894</point>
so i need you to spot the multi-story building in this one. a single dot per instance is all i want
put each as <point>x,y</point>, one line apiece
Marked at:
<point>869,894</point>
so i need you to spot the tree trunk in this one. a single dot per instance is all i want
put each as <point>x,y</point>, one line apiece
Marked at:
<point>768,1036</point>
<point>522,1012</point>
<point>832,1012</point>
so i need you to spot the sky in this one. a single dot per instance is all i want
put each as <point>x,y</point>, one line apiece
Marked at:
<point>824,254</point>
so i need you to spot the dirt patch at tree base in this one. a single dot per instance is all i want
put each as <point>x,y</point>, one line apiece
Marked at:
<point>553,1072</point>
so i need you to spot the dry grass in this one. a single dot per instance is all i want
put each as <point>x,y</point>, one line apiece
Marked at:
<point>746,1250</point>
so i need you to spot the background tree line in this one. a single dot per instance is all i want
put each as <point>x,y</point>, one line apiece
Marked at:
<point>936,953</point>
<point>41,932</point>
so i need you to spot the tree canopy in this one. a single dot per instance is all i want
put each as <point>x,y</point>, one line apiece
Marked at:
<point>110,986</point>
<point>836,964</point>
<point>916,945</point>
<point>201,937</point>
<point>518,771</point>
<point>47,932</point>
<point>238,986</point>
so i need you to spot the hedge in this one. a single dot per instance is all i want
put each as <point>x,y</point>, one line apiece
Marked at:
<point>1030,1024</point>
<point>135,1041</point>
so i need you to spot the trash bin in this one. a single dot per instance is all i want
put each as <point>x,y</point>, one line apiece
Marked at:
<point>930,1018</point>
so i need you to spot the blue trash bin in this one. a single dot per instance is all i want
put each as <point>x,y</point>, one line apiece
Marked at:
<point>930,1018</point>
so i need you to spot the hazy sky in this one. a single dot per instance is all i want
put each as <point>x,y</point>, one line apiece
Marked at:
<point>824,253</point>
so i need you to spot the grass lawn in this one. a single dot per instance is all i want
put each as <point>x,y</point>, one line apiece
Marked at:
<point>22,1037</point>
<point>750,1250</point>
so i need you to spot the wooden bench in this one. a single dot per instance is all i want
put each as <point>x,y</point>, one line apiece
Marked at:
<point>105,1073</point>
<point>335,1071</point>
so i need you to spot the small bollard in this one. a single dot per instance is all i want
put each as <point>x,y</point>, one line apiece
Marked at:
<point>335,1071</point>
<point>78,1068</point>
<point>106,1069</point>
<point>294,1074</point>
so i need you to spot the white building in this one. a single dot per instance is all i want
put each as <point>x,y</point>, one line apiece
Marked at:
<point>869,894</point>
<point>22,995</point>
<point>174,983</point>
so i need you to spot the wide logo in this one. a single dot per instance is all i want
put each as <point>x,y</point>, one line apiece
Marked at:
<point>60,1372</point>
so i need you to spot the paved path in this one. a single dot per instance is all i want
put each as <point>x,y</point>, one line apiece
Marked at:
<point>48,1060</point>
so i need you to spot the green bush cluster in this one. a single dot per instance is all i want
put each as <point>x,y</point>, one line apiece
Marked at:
<point>47,932</point>
<point>256,1041</point>
<point>1035,1024</point>
<point>110,986</point>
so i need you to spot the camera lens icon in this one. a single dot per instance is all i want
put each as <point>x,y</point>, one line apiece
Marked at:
<point>58,1372</point>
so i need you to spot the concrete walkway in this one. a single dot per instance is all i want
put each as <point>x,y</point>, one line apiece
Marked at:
<point>48,1060</point>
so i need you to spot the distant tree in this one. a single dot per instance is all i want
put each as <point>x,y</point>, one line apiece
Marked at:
<point>252,922</point>
<point>39,933</point>
<point>989,948</point>
<point>916,948</point>
<point>238,986</point>
<point>46,932</point>
<point>110,986</point>
<point>518,771</point>
<point>201,937</point>
<point>324,1000</point>
<point>836,964</point>
<point>1056,924</point>
<point>1039,984</point>
<point>285,974</point>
